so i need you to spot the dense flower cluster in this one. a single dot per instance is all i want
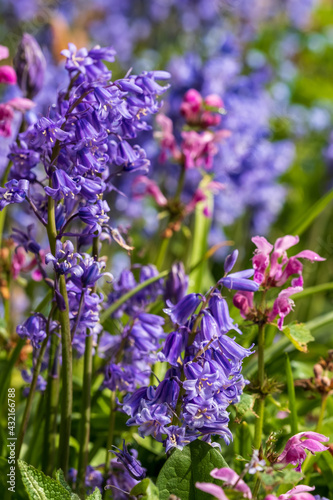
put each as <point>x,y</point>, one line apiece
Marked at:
<point>63,164</point>
<point>272,268</point>
<point>205,374</point>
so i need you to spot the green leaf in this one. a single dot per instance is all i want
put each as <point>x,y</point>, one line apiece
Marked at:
<point>147,489</point>
<point>311,214</point>
<point>184,468</point>
<point>299,334</point>
<point>41,487</point>
<point>292,398</point>
<point>113,307</point>
<point>96,495</point>
<point>61,479</point>
<point>246,404</point>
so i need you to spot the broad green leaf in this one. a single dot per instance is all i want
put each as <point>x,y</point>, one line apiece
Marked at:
<point>96,495</point>
<point>41,487</point>
<point>299,334</point>
<point>61,479</point>
<point>184,468</point>
<point>146,489</point>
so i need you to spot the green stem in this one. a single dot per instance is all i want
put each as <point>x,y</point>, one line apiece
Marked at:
<point>161,254</point>
<point>66,341</point>
<point>51,404</point>
<point>256,489</point>
<point>292,398</point>
<point>181,181</point>
<point>31,394</point>
<point>67,377</point>
<point>8,369</point>
<point>322,412</point>
<point>86,415</point>
<point>86,400</point>
<point>110,433</point>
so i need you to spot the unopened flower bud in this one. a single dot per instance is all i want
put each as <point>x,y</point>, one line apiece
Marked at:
<point>317,370</point>
<point>29,63</point>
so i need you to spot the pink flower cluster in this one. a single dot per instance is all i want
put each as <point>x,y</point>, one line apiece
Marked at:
<point>197,148</point>
<point>272,268</point>
<point>8,76</point>
<point>293,453</point>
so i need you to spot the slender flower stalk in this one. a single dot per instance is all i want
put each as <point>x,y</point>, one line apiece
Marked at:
<point>86,399</point>
<point>32,390</point>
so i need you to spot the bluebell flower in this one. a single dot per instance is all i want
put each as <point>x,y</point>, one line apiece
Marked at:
<point>132,159</point>
<point>180,312</point>
<point>62,186</point>
<point>93,479</point>
<point>26,240</point>
<point>13,192</point>
<point>176,283</point>
<point>177,438</point>
<point>34,329</point>
<point>24,160</point>
<point>200,380</point>
<point>65,259</point>
<point>95,216</point>
<point>220,311</point>
<point>91,188</point>
<point>209,328</point>
<point>232,350</point>
<point>30,64</point>
<point>240,281</point>
<point>27,377</point>
<point>151,421</point>
<point>173,346</point>
<point>230,261</point>
<point>45,132</point>
<point>131,464</point>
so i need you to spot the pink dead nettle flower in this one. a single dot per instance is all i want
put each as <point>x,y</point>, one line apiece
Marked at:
<point>231,480</point>
<point>201,112</point>
<point>7,113</point>
<point>167,139</point>
<point>244,302</point>
<point>272,268</point>
<point>294,451</point>
<point>4,52</point>
<point>201,194</point>
<point>191,106</point>
<point>300,492</point>
<point>19,264</point>
<point>200,149</point>
<point>7,75</point>
<point>142,186</point>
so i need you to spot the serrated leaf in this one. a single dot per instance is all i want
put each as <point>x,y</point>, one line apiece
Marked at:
<point>147,489</point>
<point>96,495</point>
<point>299,334</point>
<point>39,486</point>
<point>184,468</point>
<point>292,476</point>
<point>61,479</point>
